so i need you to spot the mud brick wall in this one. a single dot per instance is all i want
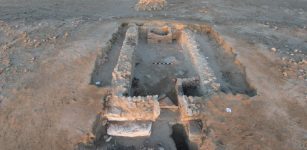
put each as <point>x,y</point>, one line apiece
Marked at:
<point>122,73</point>
<point>207,78</point>
<point>132,108</point>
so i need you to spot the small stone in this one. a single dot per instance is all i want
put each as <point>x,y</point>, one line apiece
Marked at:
<point>109,139</point>
<point>33,59</point>
<point>285,74</point>
<point>5,47</point>
<point>148,76</point>
<point>104,122</point>
<point>283,58</point>
<point>296,50</point>
<point>180,73</point>
<point>162,96</point>
<point>273,49</point>
<point>37,44</point>
<point>160,148</point>
<point>98,83</point>
<point>170,60</point>
<point>66,34</point>
<point>228,110</point>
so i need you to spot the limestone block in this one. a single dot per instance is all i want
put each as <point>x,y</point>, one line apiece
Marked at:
<point>132,108</point>
<point>129,129</point>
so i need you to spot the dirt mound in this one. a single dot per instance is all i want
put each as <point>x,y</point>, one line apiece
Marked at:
<point>150,5</point>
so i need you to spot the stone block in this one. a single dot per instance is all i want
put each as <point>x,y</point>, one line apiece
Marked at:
<point>129,129</point>
<point>132,108</point>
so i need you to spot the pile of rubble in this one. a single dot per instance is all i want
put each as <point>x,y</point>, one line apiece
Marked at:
<point>208,82</point>
<point>149,5</point>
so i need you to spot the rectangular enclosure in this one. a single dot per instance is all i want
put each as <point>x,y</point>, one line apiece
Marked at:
<point>159,61</point>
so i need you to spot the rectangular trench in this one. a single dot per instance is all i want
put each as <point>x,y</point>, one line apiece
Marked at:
<point>157,66</point>
<point>143,68</point>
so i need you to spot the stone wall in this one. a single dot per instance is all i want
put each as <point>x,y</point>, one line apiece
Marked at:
<point>122,73</point>
<point>207,78</point>
<point>190,107</point>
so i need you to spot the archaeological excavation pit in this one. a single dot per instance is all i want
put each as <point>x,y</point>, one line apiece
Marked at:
<point>159,61</point>
<point>163,75</point>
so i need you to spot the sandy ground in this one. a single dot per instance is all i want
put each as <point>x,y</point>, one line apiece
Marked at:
<point>48,51</point>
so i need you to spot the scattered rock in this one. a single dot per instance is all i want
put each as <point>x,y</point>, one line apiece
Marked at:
<point>33,59</point>
<point>98,83</point>
<point>169,60</point>
<point>180,73</point>
<point>273,49</point>
<point>150,5</point>
<point>66,35</point>
<point>37,44</point>
<point>104,122</point>
<point>148,76</point>
<point>109,139</point>
<point>283,58</point>
<point>88,138</point>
